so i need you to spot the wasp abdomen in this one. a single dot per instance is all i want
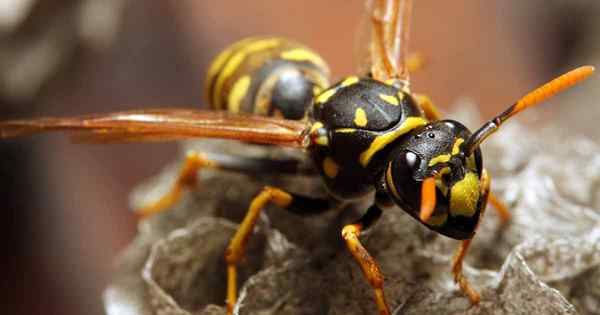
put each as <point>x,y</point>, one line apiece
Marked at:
<point>266,76</point>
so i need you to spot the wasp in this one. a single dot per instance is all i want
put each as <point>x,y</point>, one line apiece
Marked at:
<point>368,136</point>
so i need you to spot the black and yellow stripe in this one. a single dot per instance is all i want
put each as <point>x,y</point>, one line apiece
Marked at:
<point>266,76</point>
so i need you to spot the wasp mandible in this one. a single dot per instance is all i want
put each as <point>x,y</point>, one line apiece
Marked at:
<point>365,134</point>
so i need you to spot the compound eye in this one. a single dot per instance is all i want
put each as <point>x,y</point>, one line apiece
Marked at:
<point>405,177</point>
<point>410,160</point>
<point>407,164</point>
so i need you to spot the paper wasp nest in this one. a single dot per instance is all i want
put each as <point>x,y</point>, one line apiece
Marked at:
<point>547,261</point>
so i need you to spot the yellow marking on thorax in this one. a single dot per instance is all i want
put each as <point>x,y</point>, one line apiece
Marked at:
<point>325,96</point>
<point>237,93</point>
<point>303,55</point>
<point>360,117</point>
<point>349,81</point>
<point>390,181</point>
<point>330,167</point>
<point>322,141</point>
<point>464,196</point>
<point>236,60</point>
<point>316,126</point>
<point>456,146</point>
<point>401,95</point>
<point>345,130</point>
<point>381,141</point>
<point>390,99</point>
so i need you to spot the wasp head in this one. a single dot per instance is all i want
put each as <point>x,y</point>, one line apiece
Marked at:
<point>434,158</point>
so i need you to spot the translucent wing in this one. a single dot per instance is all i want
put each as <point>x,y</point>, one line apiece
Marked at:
<point>164,125</point>
<point>389,34</point>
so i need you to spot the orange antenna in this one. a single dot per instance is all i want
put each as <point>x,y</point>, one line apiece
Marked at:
<point>532,98</point>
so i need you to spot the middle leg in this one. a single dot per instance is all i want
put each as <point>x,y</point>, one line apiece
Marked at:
<point>235,250</point>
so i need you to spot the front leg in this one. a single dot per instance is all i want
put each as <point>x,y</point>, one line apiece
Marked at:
<point>367,264</point>
<point>457,261</point>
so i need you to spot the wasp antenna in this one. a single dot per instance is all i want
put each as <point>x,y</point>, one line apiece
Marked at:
<point>427,199</point>
<point>531,99</point>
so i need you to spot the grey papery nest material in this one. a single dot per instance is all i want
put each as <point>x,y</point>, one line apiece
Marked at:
<point>547,261</point>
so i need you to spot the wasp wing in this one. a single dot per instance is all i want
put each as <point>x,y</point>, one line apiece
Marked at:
<point>164,125</point>
<point>389,35</point>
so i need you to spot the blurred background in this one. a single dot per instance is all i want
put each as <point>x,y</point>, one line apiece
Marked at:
<point>65,207</point>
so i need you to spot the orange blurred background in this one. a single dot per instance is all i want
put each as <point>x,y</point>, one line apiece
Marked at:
<point>66,207</point>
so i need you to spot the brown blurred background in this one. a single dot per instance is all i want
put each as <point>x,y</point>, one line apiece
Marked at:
<point>65,207</point>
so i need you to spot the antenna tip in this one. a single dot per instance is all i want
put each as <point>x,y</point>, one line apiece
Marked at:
<point>581,73</point>
<point>588,69</point>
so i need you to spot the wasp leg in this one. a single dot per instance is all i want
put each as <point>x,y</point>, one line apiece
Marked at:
<point>235,251</point>
<point>459,278</point>
<point>457,261</point>
<point>367,264</point>
<point>431,111</point>
<point>188,177</point>
<point>500,208</point>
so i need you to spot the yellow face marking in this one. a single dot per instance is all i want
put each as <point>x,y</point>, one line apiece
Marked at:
<point>236,60</point>
<point>439,183</point>
<point>325,96</point>
<point>440,159</point>
<point>456,146</point>
<point>303,55</point>
<point>330,167</point>
<point>360,117</point>
<point>345,130</point>
<point>464,196</point>
<point>237,93</point>
<point>390,181</point>
<point>381,141</point>
<point>349,81</point>
<point>390,99</point>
